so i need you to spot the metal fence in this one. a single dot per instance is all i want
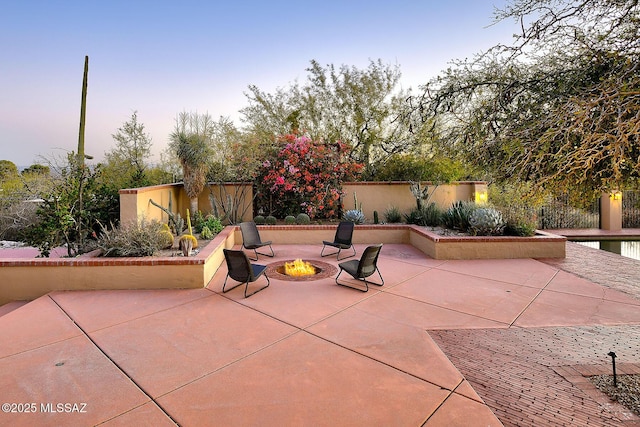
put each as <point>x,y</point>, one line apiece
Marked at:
<point>631,209</point>
<point>560,213</point>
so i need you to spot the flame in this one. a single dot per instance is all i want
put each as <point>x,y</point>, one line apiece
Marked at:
<point>299,267</point>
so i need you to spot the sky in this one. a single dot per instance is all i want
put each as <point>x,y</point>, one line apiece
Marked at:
<point>160,58</point>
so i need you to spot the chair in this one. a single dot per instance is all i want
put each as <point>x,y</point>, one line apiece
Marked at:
<point>241,270</point>
<point>251,239</point>
<point>342,240</point>
<point>362,268</point>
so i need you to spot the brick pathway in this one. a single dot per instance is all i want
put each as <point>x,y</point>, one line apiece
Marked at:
<point>533,377</point>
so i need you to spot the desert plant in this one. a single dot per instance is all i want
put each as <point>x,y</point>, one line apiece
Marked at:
<point>376,219</point>
<point>303,219</point>
<point>134,239</point>
<point>259,219</point>
<point>271,220</point>
<point>486,222</point>
<point>393,215</point>
<point>206,233</point>
<point>213,223</point>
<point>186,243</point>
<point>457,216</point>
<point>414,216</point>
<point>290,220</point>
<point>355,216</point>
<point>432,215</point>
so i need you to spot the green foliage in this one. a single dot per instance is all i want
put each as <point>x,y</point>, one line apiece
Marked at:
<point>486,221</point>
<point>134,239</point>
<point>206,233</point>
<point>290,220</point>
<point>457,216</point>
<point>429,215</point>
<point>8,170</point>
<point>393,215</point>
<point>559,107</point>
<point>125,165</point>
<point>70,211</point>
<point>411,167</point>
<point>259,219</point>
<point>358,107</point>
<point>518,204</point>
<point>354,215</point>
<point>376,219</point>
<point>271,220</point>
<point>210,222</point>
<point>303,219</point>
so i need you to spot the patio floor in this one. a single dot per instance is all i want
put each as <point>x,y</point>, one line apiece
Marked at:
<point>443,343</point>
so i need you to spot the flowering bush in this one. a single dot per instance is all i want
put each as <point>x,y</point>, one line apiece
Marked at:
<point>305,176</point>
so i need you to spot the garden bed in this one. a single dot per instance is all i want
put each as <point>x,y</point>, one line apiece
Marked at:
<point>27,279</point>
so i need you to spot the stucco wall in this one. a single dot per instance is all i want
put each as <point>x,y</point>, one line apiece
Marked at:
<point>380,196</point>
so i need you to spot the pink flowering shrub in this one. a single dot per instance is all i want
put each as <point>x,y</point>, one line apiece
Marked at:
<point>305,176</point>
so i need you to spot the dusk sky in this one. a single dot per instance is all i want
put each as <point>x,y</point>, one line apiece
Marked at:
<point>160,58</point>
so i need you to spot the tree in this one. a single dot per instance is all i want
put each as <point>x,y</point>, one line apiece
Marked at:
<point>559,107</point>
<point>358,107</point>
<point>126,163</point>
<point>191,141</point>
<point>8,170</point>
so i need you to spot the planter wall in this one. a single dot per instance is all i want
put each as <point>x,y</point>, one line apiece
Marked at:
<point>27,279</point>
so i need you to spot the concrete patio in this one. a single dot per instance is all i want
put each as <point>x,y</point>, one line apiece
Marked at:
<point>443,343</point>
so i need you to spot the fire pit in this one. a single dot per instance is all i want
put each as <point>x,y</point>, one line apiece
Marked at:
<point>299,270</point>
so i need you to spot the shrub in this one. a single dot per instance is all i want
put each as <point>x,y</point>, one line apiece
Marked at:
<point>432,215</point>
<point>393,215</point>
<point>271,220</point>
<point>212,224</point>
<point>133,239</point>
<point>354,215</point>
<point>457,216</point>
<point>303,219</point>
<point>486,222</point>
<point>290,220</point>
<point>414,217</point>
<point>307,174</point>
<point>259,219</point>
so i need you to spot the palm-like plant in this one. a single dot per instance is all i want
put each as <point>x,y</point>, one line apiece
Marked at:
<point>190,140</point>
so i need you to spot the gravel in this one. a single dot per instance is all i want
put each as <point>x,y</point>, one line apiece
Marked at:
<point>627,393</point>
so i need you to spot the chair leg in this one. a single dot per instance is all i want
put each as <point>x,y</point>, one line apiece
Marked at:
<point>338,253</point>
<point>352,287</point>
<point>233,287</point>
<point>348,256</point>
<point>256,291</point>
<point>259,253</point>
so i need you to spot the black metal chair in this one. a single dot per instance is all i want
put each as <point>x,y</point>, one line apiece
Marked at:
<point>251,239</point>
<point>342,240</point>
<point>241,270</point>
<point>362,268</point>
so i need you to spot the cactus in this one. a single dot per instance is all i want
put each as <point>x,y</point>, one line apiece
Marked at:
<point>376,220</point>
<point>303,219</point>
<point>206,233</point>
<point>457,216</point>
<point>259,219</point>
<point>355,216</point>
<point>486,222</point>
<point>271,220</point>
<point>290,220</point>
<point>186,243</point>
<point>167,237</point>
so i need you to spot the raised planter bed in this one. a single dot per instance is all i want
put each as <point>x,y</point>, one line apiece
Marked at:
<point>27,279</point>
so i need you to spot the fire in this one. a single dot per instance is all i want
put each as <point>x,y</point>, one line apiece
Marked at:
<point>299,267</point>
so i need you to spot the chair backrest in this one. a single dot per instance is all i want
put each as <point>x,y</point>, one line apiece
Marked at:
<point>369,261</point>
<point>344,233</point>
<point>250,234</point>
<point>238,265</point>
